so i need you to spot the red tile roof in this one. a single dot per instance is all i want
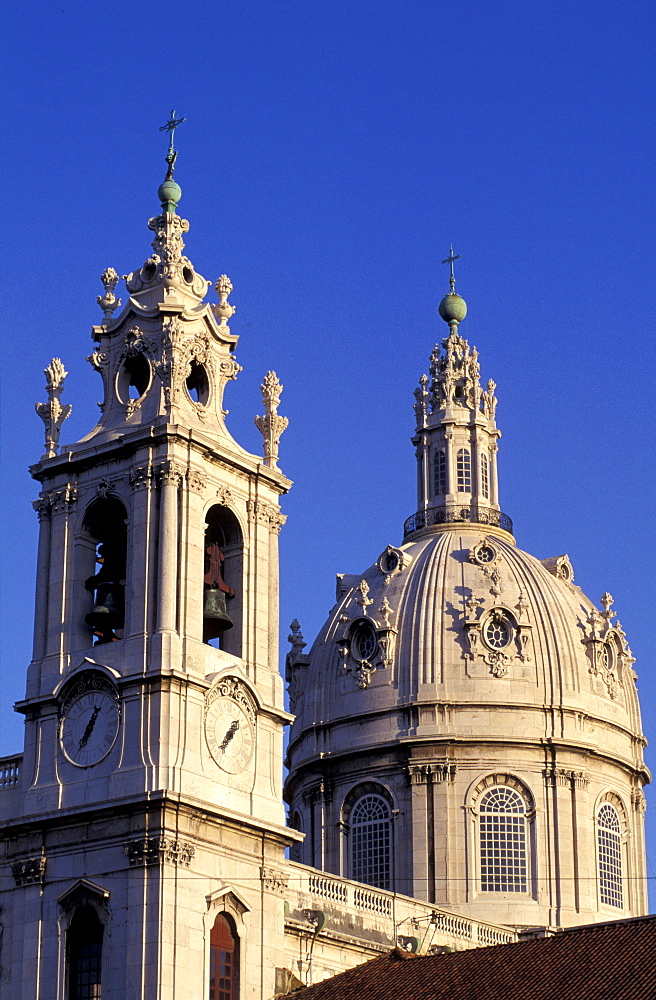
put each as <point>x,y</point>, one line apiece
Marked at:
<point>613,961</point>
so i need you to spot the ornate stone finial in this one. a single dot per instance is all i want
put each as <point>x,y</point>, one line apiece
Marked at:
<point>271,425</point>
<point>53,413</point>
<point>363,600</point>
<point>108,302</point>
<point>606,600</point>
<point>170,192</point>
<point>224,310</point>
<point>296,638</point>
<point>423,399</point>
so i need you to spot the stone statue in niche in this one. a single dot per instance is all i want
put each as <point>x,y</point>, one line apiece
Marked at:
<point>216,619</point>
<point>108,612</point>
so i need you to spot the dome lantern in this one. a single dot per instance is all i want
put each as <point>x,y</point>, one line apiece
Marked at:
<point>456,434</point>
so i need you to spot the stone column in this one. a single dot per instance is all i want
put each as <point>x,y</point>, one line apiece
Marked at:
<point>170,479</point>
<point>494,480</point>
<point>140,553</point>
<point>62,502</point>
<point>42,507</point>
<point>422,861</point>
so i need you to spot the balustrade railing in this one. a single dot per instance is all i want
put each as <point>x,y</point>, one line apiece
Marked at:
<point>10,768</point>
<point>454,514</point>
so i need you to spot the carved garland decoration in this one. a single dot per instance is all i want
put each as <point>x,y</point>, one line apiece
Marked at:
<point>231,687</point>
<point>498,636</point>
<point>364,643</point>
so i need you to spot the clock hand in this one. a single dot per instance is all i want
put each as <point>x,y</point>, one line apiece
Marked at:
<point>90,724</point>
<point>229,735</point>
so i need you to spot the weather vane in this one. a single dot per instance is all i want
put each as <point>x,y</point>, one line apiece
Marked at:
<point>170,127</point>
<point>449,260</point>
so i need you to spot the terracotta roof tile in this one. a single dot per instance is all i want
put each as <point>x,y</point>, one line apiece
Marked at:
<point>614,961</point>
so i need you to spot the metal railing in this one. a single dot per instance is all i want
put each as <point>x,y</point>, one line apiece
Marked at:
<point>455,514</point>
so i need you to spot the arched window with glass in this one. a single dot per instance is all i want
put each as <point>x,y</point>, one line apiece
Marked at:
<point>609,855</point>
<point>370,837</point>
<point>84,945</point>
<point>439,472</point>
<point>463,470</point>
<point>224,960</point>
<point>503,841</point>
<point>485,477</point>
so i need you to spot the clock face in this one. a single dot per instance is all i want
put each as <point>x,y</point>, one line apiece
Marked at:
<point>230,735</point>
<point>89,728</point>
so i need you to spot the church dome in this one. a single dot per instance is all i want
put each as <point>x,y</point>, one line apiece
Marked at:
<point>457,616</point>
<point>473,695</point>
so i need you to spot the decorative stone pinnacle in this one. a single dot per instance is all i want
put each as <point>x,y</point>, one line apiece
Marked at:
<point>224,310</point>
<point>53,413</point>
<point>108,302</point>
<point>296,637</point>
<point>271,425</point>
<point>606,600</point>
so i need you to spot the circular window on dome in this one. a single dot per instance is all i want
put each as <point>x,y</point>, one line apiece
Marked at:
<point>484,553</point>
<point>364,641</point>
<point>498,631</point>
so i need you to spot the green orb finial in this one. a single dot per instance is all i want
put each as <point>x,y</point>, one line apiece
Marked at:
<point>169,191</point>
<point>452,308</point>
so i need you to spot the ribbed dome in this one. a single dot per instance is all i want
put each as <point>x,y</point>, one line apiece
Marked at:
<point>478,620</point>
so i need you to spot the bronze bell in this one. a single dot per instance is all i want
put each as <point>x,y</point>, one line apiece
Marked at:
<point>107,613</point>
<point>215,614</point>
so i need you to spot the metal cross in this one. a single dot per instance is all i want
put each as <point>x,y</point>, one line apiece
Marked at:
<point>170,127</point>
<point>449,260</point>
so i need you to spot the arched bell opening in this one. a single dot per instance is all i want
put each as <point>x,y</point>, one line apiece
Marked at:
<point>222,580</point>
<point>105,526</point>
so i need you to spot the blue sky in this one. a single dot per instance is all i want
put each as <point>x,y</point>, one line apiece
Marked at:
<point>332,152</point>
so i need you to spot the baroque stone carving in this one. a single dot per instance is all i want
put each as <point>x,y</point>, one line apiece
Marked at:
<point>152,850</point>
<point>224,310</point>
<point>274,879</point>
<point>366,643</point>
<point>61,501</point>
<point>53,413</point>
<point>498,637</point>
<point>607,647</point>
<point>424,774</point>
<point>231,687</point>
<point>141,477</point>
<point>31,871</point>
<point>560,776</point>
<point>271,425</point>
<point>108,302</point>
<point>169,474</point>
<point>265,514</point>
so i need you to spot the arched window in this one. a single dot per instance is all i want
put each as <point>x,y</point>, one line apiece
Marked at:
<point>439,473</point>
<point>84,943</point>
<point>609,855</point>
<point>485,477</point>
<point>463,468</point>
<point>370,836</point>
<point>224,961</point>
<point>503,841</point>
<point>222,576</point>
<point>104,522</point>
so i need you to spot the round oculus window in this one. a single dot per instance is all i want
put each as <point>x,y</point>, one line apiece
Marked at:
<point>364,641</point>
<point>486,554</point>
<point>498,632</point>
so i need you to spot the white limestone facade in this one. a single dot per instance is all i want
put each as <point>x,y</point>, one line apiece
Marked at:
<point>466,759</point>
<point>467,724</point>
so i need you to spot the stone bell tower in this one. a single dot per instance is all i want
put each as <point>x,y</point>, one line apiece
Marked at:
<point>148,811</point>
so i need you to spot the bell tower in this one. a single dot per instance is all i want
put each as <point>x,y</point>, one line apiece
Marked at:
<point>150,792</point>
